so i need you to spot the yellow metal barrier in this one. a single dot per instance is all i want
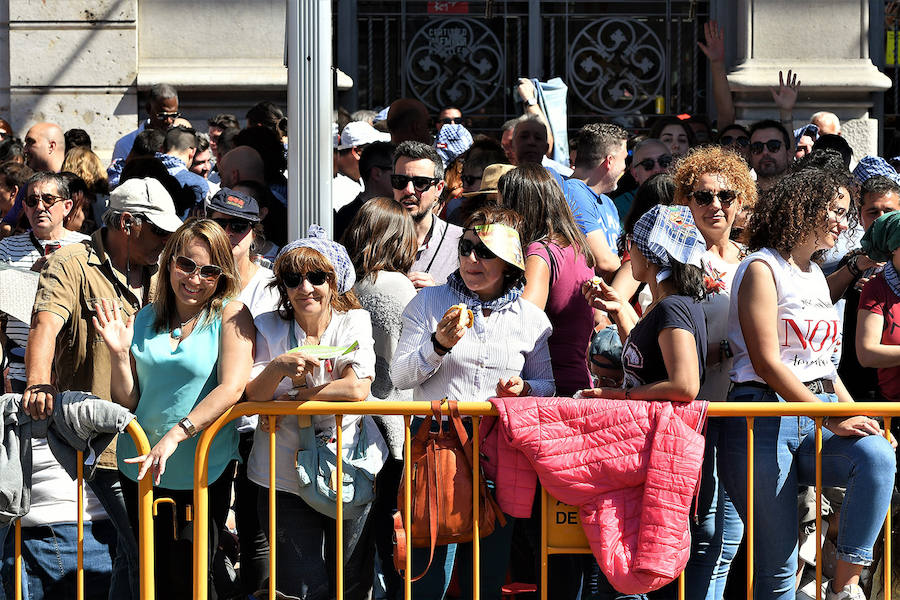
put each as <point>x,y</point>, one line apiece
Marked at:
<point>561,538</point>
<point>145,536</point>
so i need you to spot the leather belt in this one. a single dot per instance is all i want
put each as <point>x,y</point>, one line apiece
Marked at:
<point>816,386</point>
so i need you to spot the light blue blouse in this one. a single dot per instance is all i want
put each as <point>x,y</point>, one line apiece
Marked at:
<point>171,384</point>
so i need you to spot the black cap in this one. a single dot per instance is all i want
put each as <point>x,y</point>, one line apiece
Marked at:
<point>235,204</point>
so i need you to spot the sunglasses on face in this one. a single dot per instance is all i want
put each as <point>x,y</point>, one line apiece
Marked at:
<point>469,180</point>
<point>420,184</point>
<point>705,197</point>
<point>156,229</point>
<point>772,146</point>
<point>742,140</point>
<point>188,267</point>
<point>466,247</point>
<point>235,226</point>
<point>292,280</point>
<point>48,200</point>
<point>449,120</point>
<point>164,116</point>
<point>663,161</point>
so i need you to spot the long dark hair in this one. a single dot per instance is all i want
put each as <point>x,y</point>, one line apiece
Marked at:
<point>689,280</point>
<point>530,191</point>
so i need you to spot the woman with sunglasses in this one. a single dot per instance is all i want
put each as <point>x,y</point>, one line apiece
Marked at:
<point>664,352</point>
<point>783,331</point>
<point>317,307</point>
<point>202,341</point>
<point>503,352</point>
<point>736,138</point>
<point>715,184</point>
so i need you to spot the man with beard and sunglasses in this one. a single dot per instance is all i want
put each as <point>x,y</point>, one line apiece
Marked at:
<point>770,152</point>
<point>117,264</point>
<point>418,180</point>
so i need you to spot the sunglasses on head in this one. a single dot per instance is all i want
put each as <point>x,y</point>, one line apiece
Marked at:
<point>742,140</point>
<point>292,280</point>
<point>188,267</point>
<point>705,197</point>
<point>420,184</point>
<point>236,226</point>
<point>48,200</point>
<point>772,146</point>
<point>469,180</point>
<point>466,247</point>
<point>663,161</point>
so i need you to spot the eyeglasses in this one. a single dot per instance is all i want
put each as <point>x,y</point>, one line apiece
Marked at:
<point>469,180</point>
<point>705,197</point>
<point>449,120</point>
<point>155,229</point>
<point>235,226</point>
<point>663,161</point>
<point>164,116</point>
<point>188,267</point>
<point>292,280</point>
<point>466,247</point>
<point>772,146</point>
<point>742,140</point>
<point>48,200</point>
<point>420,184</point>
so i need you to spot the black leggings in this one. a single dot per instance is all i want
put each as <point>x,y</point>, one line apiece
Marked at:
<point>173,558</point>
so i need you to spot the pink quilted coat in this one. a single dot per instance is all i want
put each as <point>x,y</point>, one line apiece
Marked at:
<point>631,466</point>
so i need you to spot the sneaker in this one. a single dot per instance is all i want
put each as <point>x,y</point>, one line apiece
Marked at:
<point>850,592</point>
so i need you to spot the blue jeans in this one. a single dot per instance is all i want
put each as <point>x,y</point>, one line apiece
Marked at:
<point>49,561</point>
<point>300,534</point>
<point>784,453</point>
<point>494,562</point>
<point>716,535</point>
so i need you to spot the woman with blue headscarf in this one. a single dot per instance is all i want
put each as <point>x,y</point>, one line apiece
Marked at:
<point>317,310</point>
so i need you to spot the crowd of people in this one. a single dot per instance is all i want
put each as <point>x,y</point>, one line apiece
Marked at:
<point>678,263</point>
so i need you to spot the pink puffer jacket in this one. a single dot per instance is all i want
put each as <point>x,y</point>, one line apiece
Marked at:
<point>631,466</point>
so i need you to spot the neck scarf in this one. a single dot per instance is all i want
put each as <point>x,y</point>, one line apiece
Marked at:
<point>477,304</point>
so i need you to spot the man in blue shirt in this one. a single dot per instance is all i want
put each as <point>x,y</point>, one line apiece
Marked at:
<point>598,165</point>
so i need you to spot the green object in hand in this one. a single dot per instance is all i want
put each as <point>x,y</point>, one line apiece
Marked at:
<point>326,352</point>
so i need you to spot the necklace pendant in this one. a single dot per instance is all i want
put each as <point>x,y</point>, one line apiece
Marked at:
<point>176,333</point>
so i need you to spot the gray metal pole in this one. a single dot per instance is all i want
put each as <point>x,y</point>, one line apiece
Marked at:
<point>310,102</point>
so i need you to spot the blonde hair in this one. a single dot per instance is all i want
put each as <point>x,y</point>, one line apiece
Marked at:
<point>83,162</point>
<point>227,286</point>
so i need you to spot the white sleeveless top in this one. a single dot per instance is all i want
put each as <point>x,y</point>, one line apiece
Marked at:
<point>809,329</point>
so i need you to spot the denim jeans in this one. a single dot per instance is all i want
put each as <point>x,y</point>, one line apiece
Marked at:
<point>49,561</point>
<point>717,534</point>
<point>125,579</point>
<point>300,535</point>
<point>784,459</point>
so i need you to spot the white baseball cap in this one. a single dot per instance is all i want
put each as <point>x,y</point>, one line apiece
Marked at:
<point>149,198</point>
<point>360,133</point>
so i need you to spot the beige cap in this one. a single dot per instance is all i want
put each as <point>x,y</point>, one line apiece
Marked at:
<point>149,198</point>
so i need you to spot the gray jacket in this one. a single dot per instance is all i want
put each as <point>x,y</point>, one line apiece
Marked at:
<point>80,421</point>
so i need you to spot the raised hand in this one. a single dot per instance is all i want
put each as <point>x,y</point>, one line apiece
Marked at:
<point>714,48</point>
<point>116,333</point>
<point>602,296</point>
<point>785,97</point>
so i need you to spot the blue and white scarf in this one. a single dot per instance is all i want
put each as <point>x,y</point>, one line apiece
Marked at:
<point>892,278</point>
<point>472,300</point>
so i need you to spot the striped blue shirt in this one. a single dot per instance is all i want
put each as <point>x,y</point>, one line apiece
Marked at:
<point>508,342</point>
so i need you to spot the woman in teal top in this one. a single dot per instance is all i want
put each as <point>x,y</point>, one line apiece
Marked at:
<point>168,367</point>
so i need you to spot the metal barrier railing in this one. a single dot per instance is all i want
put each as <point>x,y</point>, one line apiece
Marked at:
<point>749,410</point>
<point>145,535</point>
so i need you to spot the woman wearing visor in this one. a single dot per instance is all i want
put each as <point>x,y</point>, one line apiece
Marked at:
<point>502,352</point>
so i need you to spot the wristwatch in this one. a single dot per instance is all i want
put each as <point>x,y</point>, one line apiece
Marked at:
<point>439,347</point>
<point>188,427</point>
<point>853,265</point>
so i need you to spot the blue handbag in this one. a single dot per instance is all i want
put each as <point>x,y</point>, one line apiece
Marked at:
<point>317,473</point>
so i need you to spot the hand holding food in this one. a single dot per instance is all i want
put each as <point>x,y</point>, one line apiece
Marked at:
<point>453,325</point>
